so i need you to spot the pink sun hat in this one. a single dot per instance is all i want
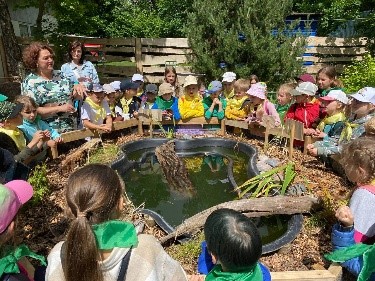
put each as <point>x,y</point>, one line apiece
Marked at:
<point>257,90</point>
<point>12,196</point>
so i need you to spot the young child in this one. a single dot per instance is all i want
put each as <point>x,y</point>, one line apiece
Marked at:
<point>149,97</point>
<point>138,79</point>
<point>362,110</point>
<point>129,103</point>
<point>190,105</point>
<point>356,222</point>
<point>12,138</point>
<point>253,79</point>
<point>326,79</point>
<point>33,123</point>
<point>232,249</point>
<point>260,106</point>
<point>100,246</point>
<point>334,104</point>
<point>116,86</point>
<point>13,262</point>
<point>116,111</point>
<point>167,102</point>
<point>284,99</point>
<point>95,113</point>
<point>228,84</point>
<point>305,78</point>
<point>170,76</point>
<point>304,109</point>
<point>214,106</point>
<point>234,108</point>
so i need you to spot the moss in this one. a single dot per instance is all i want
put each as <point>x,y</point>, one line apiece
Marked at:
<point>105,154</point>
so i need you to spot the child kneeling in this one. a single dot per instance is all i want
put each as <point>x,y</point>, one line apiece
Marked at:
<point>234,245</point>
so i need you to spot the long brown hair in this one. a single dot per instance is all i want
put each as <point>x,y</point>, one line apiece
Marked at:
<point>92,195</point>
<point>331,73</point>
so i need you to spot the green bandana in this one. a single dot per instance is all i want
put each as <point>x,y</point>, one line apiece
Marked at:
<point>368,252</point>
<point>115,233</point>
<point>217,274</point>
<point>8,264</point>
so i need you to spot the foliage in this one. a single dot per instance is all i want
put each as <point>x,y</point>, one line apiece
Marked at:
<point>360,74</point>
<point>251,39</point>
<point>39,181</point>
<point>268,181</point>
<point>104,154</point>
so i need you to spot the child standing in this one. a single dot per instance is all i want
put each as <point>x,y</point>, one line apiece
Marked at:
<point>116,111</point>
<point>326,78</point>
<point>100,246</point>
<point>228,84</point>
<point>232,249</point>
<point>284,99</point>
<point>234,108</point>
<point>167,102</point>
<point>129,103</point>
<point>95,113</point>
<point>138,79</point>
<point>33,123</point>
<point>356,222</point>
<point>190,105</point>
<point>170,76</point>
<point>148,98</point>
<point>214,106</point>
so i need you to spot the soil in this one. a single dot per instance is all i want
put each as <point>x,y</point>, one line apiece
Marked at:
<point>45,224</point>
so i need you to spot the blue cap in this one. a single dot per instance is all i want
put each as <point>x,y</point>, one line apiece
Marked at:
<point>128,84</point>
<point>214,87</point>
<point>96,88</point>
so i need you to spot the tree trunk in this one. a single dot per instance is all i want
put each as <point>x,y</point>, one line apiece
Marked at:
<point>255,207</point>
<point>12,49</point>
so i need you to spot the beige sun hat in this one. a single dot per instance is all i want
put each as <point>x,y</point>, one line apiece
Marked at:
<point>190,80</point>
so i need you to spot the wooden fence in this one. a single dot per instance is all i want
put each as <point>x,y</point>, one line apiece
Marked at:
<point>117,58</point>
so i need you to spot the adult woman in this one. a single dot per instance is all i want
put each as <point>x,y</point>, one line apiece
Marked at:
<point>53,93</point>
<point>78,70</point>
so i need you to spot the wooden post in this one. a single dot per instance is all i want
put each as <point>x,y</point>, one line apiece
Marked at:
<point>222,127</point>
<point>140,127</point>
<point>291,138</point>
<point>266,135</point>
<point>54,152</point>
<point>138,55</point>
<point>307,141</point>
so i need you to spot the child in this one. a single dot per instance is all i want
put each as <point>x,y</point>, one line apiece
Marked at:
<point>326,78</point>
<point>33,123</point>
<point>170,76</point>
<point>284,99</point>
<point>334,104</point>
<point>12,138</point>
<point>363,109</point>
<point>129,103</point>
<point>138,79</point>
<point>190,105</point>
<point>260,106</point>
<point>305,78</point>
<point>214,106</point>
<point>116,111</point>
<point>304,109</point>
<point>116,86</point>
<point>356,222</point>
<point>253,79</point>
<point>100,246</point>
<point>234,108</point>
<point>233,248</point>
<point>96,114</point>
<point>148,98</point>
<point>13,262</point>
<point>167,102</point>
<point>228,84</point>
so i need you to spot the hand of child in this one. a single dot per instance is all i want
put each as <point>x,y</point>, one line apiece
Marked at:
<point>318,134</point>
<point>345,216</point>
<point>51,143</point>
<point>309,131</point>
<point>67,108</point>
<point>59,140</point>
<point>105,128</point>
<point>47,133</point>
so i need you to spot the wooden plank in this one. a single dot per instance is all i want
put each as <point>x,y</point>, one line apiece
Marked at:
<point>323,50</point>
<point>166,42</point>
<point>313,69</point>
<point>335,41</point>
<point>146,115</point>
<point>336,270</point>
<point>311,275</point>
<point>76,135</point>
<point>105,41</point>
<point>138,55</point>
<point>198,121</point>
<point>113,49</point>
<point>160,69</point>
<point>110,58</point>
<point>119,70</point>
<point>125,124</point>
<point>331,59</point>
<point>158,79</point>
<point>172,51</point>
<point>156,60</point>
<point>236,123</point>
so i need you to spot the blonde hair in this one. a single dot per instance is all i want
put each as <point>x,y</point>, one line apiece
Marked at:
<point>28,102</point>
<point>287,87</point>
<point>241,85</point>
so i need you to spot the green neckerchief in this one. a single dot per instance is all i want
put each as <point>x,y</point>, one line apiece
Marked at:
<point>115,233</point>
<point>252,274</point>
<point>325,92</point>
<point>8,263</point>
<point>328,120</point>
<point>368,252</point>
<point>164,104</point>
<point>347,132</point>
<point>281,110</point>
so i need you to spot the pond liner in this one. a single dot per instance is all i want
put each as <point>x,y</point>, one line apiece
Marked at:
<point>122,164</point>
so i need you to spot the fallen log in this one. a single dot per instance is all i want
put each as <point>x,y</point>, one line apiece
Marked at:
<point>254,207</point>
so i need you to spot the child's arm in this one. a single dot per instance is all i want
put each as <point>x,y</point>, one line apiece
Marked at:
<point>187,112</point>
<point>176,111</point>
<point>53,134</point>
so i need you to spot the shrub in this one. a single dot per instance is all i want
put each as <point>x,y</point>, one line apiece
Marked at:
<point>39,181</point>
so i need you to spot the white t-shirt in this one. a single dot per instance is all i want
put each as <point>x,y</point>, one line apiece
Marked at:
<point>88,113</point>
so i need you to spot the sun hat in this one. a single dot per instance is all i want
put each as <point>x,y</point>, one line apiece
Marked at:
<point>305,78</point>
<point>305,88</point>
<point>214,87</point>
<point>151,88</point>
<point>115,85</point>
<point>12,196</point>
<point>137,77</point>
<point>257,90</point>
<point>336,95</point>
<point>165,88</point>
<point>9,110</point>
<point>128,84</point>
<point>366,94</point>
<point>229,77</point>
<point>3,97</point>
<point>108,89</point>
<point>96,88</point>
<point>190,80</point>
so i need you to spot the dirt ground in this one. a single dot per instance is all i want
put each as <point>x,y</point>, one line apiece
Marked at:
<point>44,224</point>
